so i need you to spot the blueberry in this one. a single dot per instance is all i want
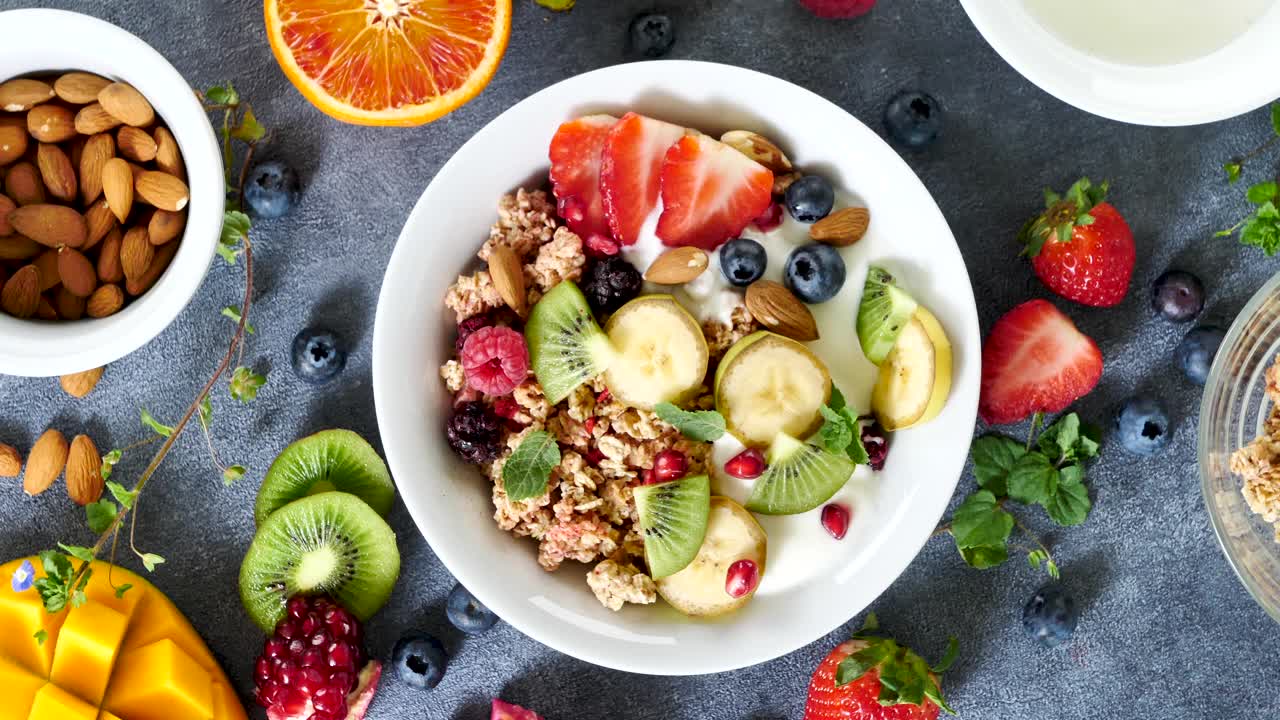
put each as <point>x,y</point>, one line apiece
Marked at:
<point>419,660</point>
<point>1050,616</point>
<point>318,355</point>
<point>652,34</point>
<point>610,283</point>
<point>810,198</point>
<point>913,119</point>
<point>1195,353</point>
<point>272,189</point>
<point>743,261</point>
<point>815,273</point>
<point>466,613</point>
<point>1142,426</point>
<point>1178,296</point>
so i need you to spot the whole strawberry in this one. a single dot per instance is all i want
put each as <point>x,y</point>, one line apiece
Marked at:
<point>1080,246</point>
<point>849,684</point>
<point>839,9</point>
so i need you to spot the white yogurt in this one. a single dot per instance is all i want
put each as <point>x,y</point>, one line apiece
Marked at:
<point>799,547</point>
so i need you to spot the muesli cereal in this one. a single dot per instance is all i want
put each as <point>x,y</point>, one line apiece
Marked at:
<point>1258,463</point>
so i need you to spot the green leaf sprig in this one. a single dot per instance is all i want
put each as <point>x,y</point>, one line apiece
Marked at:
<point>526,473</point>
<point>905,677</point>
<point>1261,227</point>
<point>1047,471</point>
<point>841,430</point>
<point>699,425</point>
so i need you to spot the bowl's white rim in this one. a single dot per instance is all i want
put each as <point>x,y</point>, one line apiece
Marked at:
<point>509,610</point>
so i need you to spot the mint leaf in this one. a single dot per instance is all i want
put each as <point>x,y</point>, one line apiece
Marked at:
<point>150,561</point>
<point>1070,504</point>
<point>1033,479</point>
<point>100,515</point>
<point>526,472</point>
<point>1262,230</point>
<point>948,658</point>
<point>248,129</point>
<point>1233,171</point>
<point>155,425</point>
<point>836,433</point>
<point>122,496</point>
<point>993,457</point>
<point>985,557</point>
<point>233,312</point>
<point>856,451</point>
<point>1059,439</point>
<point>219,95</point>
<point>700,425</point>
<point>245,384</point>
<point>836,401</point>
<point>235,227</point>
<point>980,522</point>
<point>1262,192</point>
<point>1089,443</point>
<point>78,552</point>
<point>232,474</point>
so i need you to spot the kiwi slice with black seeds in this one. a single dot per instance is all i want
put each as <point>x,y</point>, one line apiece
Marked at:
<point>566,345</point>
<point>326,461</point>
<point>673,521</point>
<point>328,544</point>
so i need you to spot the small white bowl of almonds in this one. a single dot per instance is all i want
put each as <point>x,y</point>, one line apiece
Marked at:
<point>111,193</point>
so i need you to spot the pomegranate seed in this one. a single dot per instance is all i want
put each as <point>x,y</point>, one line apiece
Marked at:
<point>339,655</point>
<point>600,246</point>
<point>669,465</point>
<point>310,661</point>
<point>835,518</point>
<point>604,397</point>
<point>747,465</point>
<point>770,218</point>
<point>743,577</point>
<point>649,477</point>
<point>594,457</point>
<point>876,441</point>
<point>589,426</point>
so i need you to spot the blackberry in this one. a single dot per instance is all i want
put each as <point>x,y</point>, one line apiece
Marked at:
<point>474,432</point>
<point>876,442</point>
<point>468,326</point>
<point>609,283</point>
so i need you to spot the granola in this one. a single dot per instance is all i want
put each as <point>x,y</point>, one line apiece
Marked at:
<point>1258,463</point>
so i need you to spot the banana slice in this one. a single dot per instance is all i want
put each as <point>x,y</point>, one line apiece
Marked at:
<point>732,535</point>
<point>660,352</point>
<point>767,384</point>
<point>915,378</point>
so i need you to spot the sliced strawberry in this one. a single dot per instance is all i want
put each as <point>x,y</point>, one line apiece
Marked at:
<point>1035,360</point>
<point>506,711</point>
<point>575,173</point>
<point>710,192</point>
<point>631,172</point>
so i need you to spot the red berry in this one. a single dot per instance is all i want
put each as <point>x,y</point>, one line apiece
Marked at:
<point>506,711</point>
<point>835,518</point>
<point>631,172</point>
<point>468,326</point>
<point>594,457</point>
<point>505,408</point>
<point>747,465</point>
<point>649,477</point>
<point>589,426</point>
<point>575,154</point>
<point>604,397</point>
<point>769,219</point>
<point>669,465</point>
<point>599,246</point>
<point>743,577</point>
<point>496,360</point>
<point>838,9</point>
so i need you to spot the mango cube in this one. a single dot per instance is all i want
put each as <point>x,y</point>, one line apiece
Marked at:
<point>159,682</point>
<point>21,616</point>
<point>87,649</point>
<point>54,703</point>
<point>19,687</point>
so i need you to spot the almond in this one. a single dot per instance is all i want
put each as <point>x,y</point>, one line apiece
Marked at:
<point>843,227</point>
<point>98,220</point>
<point>45,310</point>
<point>57,172</point>
<point>93,119</point>
<point>22,184</point>
<point>106,300</point>
<point>123,102</point>
<point>69,307</point>
<point>13,140</point>
<point>165,226</point>
<point>677,266</point>
<point>98,149</point>
<point>47,265</point>
<point>109,270</point>
<point>79,88</point>
<point>168,156</point>
<point>136,253</point>
<point>136,144</point>
<point>44,464</point>
<point>77,385</point>
<point>758,148</point>
<point>10,461</point>
<point>117,185</point>
<point>84,471</point>
<point>51,123</point>
<point>782,181</point>
<point>163,256</point>
<point>508,278</point>
<point>51,225</point>
<point>162,190</point>
<point>21,294</point>
<point>16,247</point>
<point>76,272</point>
<point>6,207</point>
<point>773,306</point>
<point>23,94</point>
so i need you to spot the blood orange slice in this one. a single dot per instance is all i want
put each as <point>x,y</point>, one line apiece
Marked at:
<point>388,62</point>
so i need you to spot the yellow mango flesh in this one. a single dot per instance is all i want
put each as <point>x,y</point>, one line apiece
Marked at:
<point>133,657</point>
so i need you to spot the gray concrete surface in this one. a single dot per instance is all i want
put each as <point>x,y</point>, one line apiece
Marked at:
<point>1167,631</point>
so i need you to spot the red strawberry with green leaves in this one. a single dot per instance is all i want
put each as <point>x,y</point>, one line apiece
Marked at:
<point>1080,246</point>
<point>871,677</point>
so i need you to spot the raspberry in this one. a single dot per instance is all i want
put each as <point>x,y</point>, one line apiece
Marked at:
<point>876,442</point>
<point>746,465</point>
<point>769,219</point>
<point>610,283</point>
<point>495,359</point>
<point>468,326</point>
<point>506,408</point>
<point>475,433</point>
<point>599,246</point>
<point>838,9</point>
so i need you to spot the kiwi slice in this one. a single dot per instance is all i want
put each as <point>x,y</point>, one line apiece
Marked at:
<point>566,346</point>
<point>885,309</point>
<point>801,476</point>
<point>673,520</point>
<point>328,544</point>
<point>327,461</point>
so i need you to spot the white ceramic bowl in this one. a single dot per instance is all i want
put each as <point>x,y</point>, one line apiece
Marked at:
<point>43,41</point>
<point>1220,85</point>
<point>450,501</point>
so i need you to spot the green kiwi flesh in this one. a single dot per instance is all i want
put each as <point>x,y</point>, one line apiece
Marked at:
<point>326,461</point>
<point>566,346</point>
<point>884,311</point>
<point>328,544</point>
<point>801,476</point>
<point>673,520</point>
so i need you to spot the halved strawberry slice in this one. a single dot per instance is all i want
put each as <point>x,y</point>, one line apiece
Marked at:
<point>709,193</point>
<point>1035,360</point>
<point>575,173</point>
<point>631,172</point>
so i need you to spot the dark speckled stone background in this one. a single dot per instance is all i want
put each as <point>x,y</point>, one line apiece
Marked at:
<point>1166,632</point>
